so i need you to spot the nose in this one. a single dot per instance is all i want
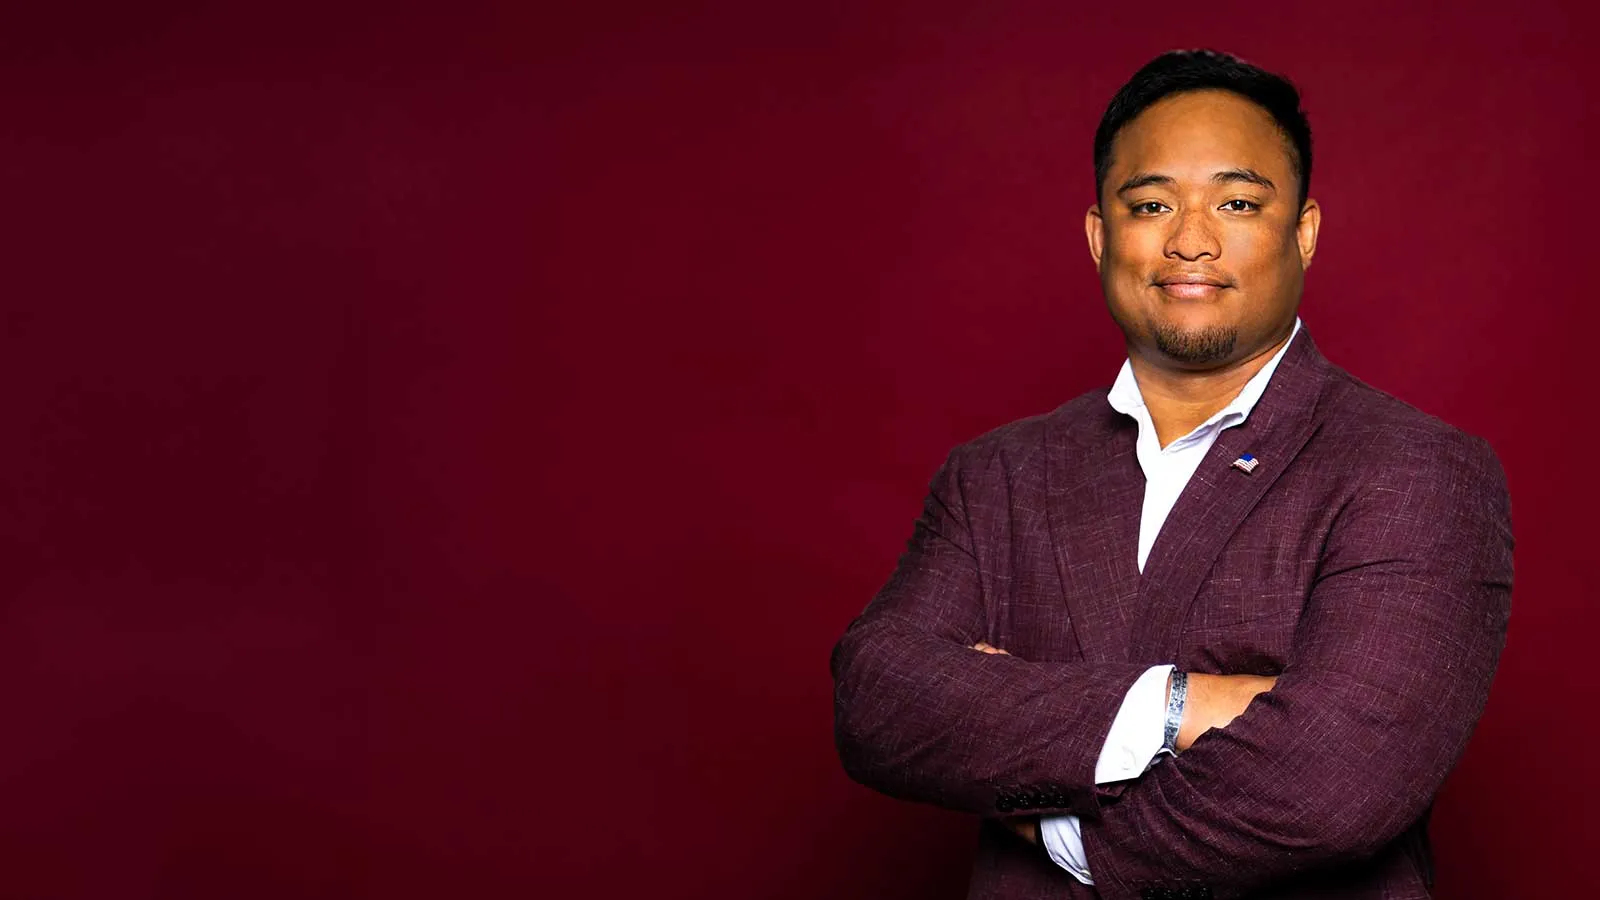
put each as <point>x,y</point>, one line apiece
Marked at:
<point>1193,236</point>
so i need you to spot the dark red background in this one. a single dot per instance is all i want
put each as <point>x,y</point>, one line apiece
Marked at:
<point>441,444</point>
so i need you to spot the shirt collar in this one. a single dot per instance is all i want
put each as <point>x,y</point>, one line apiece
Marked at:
<point>1125,397</point>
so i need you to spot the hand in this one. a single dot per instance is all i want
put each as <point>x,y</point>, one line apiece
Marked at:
<point>1214,701</point>
<point>1025,827</point>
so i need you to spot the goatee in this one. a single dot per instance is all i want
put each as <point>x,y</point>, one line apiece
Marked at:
<point>1195,346</point>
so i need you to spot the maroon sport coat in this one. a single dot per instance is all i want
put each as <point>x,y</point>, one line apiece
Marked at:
<point>1366,562</point>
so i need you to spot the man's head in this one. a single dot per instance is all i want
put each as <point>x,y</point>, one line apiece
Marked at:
<point>1204,226</point>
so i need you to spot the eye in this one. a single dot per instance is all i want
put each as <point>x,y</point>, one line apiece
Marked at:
<point>1241,206</point>
<point>1148,208</point>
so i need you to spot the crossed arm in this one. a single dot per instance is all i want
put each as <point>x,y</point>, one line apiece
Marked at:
<point>1391,667</point>
<point>919,716</point>
<point>1213,702</point>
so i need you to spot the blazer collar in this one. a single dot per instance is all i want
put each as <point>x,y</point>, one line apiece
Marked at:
<point>1094,491</point>
<point>1220,495</point>
<point>1095,496</point>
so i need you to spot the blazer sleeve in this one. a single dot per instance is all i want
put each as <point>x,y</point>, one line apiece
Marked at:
<point>1391,667</point>
<point>920,716</point>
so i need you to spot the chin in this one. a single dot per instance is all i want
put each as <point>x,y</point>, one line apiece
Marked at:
<point>1195,344</point>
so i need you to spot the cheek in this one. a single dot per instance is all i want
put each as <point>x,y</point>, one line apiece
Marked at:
<point>1269,275</point>
<point>1123,280</point>
<point>1130,258</point>
<point>1260,250</point>
<point>1134,246</point>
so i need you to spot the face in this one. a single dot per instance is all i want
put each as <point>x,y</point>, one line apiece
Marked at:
<point>1200,240</point>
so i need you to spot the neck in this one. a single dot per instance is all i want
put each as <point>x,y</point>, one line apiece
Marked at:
<point>1180,400</point>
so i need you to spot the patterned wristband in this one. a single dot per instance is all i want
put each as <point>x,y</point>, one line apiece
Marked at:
<point>1175,701</point>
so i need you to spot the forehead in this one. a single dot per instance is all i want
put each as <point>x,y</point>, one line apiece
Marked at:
<point>1202,132</point>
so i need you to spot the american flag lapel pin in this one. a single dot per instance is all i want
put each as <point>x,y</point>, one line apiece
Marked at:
<point>1246,463</point>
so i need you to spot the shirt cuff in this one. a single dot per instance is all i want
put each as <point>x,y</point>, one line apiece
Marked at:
<point>1062,837</point>
<point>1134,742</point>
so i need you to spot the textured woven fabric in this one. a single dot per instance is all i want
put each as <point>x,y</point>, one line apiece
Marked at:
<point>1366,561</point>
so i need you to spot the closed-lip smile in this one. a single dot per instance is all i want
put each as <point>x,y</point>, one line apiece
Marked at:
<point>1191,285</point>
<point>1192,278</point>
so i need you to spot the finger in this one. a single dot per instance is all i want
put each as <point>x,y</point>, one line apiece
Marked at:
<point>1023,828</point>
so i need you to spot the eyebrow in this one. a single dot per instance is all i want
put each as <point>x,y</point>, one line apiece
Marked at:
<point>1243,176</point>
<point>1226,176</point>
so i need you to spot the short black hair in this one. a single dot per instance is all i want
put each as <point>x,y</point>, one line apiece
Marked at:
<point>1180,71</point>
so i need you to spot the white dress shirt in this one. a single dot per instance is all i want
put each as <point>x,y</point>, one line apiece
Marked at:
<point>1133,744</point>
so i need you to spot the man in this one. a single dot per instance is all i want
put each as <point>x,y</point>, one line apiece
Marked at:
<point>1222,630</point>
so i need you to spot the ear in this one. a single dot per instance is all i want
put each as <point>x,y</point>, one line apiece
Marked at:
<point>1306,231</point>
<point>1094,227</point>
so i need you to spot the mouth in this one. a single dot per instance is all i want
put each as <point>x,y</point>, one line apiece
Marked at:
<point>1191,286</point>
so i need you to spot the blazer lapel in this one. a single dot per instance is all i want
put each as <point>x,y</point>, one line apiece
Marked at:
<point>1093,499</point>
<point>1218,497</point>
